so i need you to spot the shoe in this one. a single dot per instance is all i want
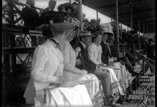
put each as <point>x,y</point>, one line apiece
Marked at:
<point>113,104</point>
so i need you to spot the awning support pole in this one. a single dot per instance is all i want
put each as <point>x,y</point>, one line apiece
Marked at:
<point>11,17</point>
<point>117,27</point>
<point>80,13</point>
<point>139,34</point>
<point>131,23</point>
<point>70,1</point>
<point>139,28</point>
<point>97,16</point>
<point>143,29</point>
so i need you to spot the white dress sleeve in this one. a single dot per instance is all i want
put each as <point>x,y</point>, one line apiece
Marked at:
<point>40,58</point>
<point>100,53</point>
<point>68,66</point>
<point>91,50</point>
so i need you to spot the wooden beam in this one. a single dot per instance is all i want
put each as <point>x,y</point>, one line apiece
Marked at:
<point>147,10</point>
<point>140,18</point>
<point>119,4</point>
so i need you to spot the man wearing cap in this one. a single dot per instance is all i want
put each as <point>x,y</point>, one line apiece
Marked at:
<point>85,63</point>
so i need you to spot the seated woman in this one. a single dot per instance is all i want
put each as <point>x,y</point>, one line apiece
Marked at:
<point>44,88</point>
<point>71,73</point>
<point>94,53</point>
<point>122,75</point>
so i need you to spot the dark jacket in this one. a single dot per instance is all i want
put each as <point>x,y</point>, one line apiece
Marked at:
<point>151,51</point>
<point>113,51</point>
<point>105,53</point>
<point>83,56</point>
<point>31,17</point>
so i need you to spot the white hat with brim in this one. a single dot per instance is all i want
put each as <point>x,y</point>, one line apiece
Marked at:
<point>107,32</point>
<point>86,34</point>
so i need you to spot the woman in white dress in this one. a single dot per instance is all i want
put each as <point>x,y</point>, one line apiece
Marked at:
<point>71,73</point>
<point>47,74</point>
<point>94,54</point>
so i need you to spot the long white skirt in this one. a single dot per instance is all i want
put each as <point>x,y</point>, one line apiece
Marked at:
<point>116,88</point>
<point>122,75</point>
<point>76,96</point>
<point>92,87</point>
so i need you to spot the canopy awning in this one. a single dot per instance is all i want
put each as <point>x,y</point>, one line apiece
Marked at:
<point>143,12</point>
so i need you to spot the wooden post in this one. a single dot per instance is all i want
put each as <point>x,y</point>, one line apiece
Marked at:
<point>70,1</point>
<point>97,16</point>
<point>5,38</point>
<point>139,28</point>
<point>80,13</point>
<point>131,21</point>
<point>12,37</point>
<point>117,27</point>
<point>143,29</point>
<point>139,34</point>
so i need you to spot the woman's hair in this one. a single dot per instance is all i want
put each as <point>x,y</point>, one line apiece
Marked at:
<point>60,7</point>
<point>46,31</point>
<point>96,34</point>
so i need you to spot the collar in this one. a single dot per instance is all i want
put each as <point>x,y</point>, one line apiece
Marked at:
<point>83,44</point>
<point>28,5</point>
<point>96,44</point>
<point>55,42</point>
<point>49,9</point>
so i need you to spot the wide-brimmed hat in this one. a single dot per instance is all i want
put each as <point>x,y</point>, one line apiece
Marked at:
<point>66,27</point>
<point>63,27</point>
<point>86,34</point>
<point>105,31</point>
<point>110,38</point>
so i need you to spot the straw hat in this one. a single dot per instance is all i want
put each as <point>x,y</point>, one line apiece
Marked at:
<point>107,31</point>
<point>86,34</point>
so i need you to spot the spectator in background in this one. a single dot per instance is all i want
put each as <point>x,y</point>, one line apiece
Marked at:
<point>93,26</point>
<point>98,24</point>
<point>113,47</point>
<point>30,15</point>
<point>94,53</point>
<point>85,63</point>
<point>49,13</point>
<point>51,6</point>
<point>69,10</point>
<point>61,8</point>
<point>75,8</point>
<point>85,24</point>
<point>151,50</point>
<point>106,51</point>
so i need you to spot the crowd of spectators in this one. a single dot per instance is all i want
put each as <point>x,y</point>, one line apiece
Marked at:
<point>69,12</point>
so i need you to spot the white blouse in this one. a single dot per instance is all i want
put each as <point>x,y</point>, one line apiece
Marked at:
<point>94,53</point>
<point>47,65</point>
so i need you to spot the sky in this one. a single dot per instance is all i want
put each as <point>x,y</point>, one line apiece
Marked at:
<point>90,13</point>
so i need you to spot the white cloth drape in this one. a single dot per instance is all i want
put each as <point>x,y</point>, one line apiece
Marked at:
<point>121,74</point>
<point>92,87</point>
<point>70,71</point>
<point>76,96</point>
<point>116,88</point>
